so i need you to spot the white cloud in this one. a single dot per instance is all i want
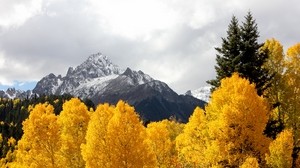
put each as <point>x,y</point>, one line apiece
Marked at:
<point>17,12</point>
<point>172,40</point>
<point>133,18</point>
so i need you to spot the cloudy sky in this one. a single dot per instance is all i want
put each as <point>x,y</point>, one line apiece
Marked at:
<point>171,40</point>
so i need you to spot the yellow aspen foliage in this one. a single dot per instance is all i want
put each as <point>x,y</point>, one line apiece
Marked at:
<point>193,145</point>
<point>175,128</point>
<point>11,141</point>
<point>292,96</point>
<point>40,142</point>
<point>275,65</point>
<point>161,138</point>
<point>160,142</point>
<point>237,117</point>
<point>250,163</point>
<point>281,150</point>
<point>95,151</point>
<point>275,62</point>
<point>116,138</point>
<point>9,160</point>
<point>127,139</point>
<point>73,121</point>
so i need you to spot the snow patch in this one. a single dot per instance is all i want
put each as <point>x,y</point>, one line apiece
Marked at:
<point>203,93</point>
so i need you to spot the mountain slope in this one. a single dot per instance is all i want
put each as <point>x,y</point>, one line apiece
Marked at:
<point>152,99</point>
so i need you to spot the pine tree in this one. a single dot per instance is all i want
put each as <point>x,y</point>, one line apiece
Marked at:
<point>240,53</point>
<point>229,53</point>
<point>253,59</point>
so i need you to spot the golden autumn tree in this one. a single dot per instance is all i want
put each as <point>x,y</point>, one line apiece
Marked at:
<point>40,142</point>
<point>292,96</point>
<point>161,138</point>
<point>237,117</point>
<point>95,151</point>
<point>250,163</point>
<point>193,145</point>
<point>281,150</point>
<point>174,129</point>
<point>126,139</point>
<point>73,121</point>
<point>275,65</point>
<point>116,138</point>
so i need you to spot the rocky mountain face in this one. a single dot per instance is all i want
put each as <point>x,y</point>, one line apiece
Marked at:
<point>82,81</point>
<point>101,81</point>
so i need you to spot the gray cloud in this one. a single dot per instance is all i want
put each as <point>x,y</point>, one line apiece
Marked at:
<point>173,43</point>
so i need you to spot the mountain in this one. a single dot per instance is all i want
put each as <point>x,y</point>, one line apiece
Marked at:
<point>12,93</point>
<point>101,81</point>
<point>83,81</point>
<point>202,93</point>
<point>152,99</point>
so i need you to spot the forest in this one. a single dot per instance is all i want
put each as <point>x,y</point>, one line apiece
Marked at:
<point>252,119</point>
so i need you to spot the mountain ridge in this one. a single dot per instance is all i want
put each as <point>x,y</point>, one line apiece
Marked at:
<point>101,81</point>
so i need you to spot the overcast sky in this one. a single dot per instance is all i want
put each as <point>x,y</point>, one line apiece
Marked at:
<point>171,40</point>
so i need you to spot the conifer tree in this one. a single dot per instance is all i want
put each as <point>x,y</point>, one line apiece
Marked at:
<point>240,53</point>
<point>229,53</point>
<point>252,59</point>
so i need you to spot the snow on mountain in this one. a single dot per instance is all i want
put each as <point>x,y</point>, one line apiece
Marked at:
<point>99,80</point>
<point>92,86</point>
<point>94,76</point>
<point>97,65</point>
<point>89,77</point>
<point>202,93</point>
<point>136,77</point>
<point>13,93</point>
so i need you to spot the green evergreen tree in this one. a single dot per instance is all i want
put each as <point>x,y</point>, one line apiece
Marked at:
<point>240,52</point>
<point>252,58</point>
<point>229,53</point>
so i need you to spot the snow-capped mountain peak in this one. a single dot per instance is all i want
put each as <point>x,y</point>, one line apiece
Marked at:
<point>101,81</point>
<point>202,93</point>
<point>97,65</point>
<point>13,93</point>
